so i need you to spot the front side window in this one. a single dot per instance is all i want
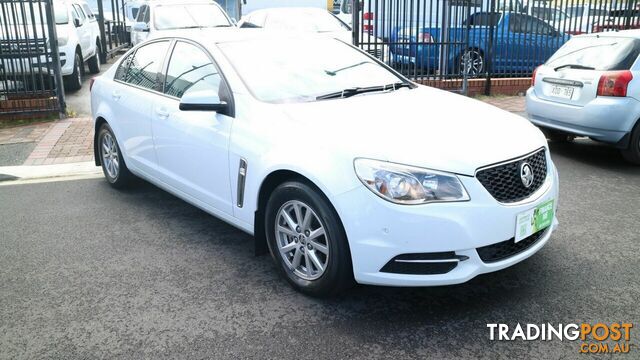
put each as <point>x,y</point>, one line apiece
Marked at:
<point>190,69</point>
<point>79,12</point>
<point>87,11</point>
<point>169,17</point>
<point>294,70</point>
<point>145,65</point>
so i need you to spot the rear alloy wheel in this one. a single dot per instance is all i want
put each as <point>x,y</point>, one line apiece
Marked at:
<point>307,240</point>
<point>471,63</point>
<point>632,153</point>
<point>113,165</point>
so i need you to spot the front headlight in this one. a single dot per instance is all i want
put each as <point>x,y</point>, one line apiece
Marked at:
<point>404,184</point>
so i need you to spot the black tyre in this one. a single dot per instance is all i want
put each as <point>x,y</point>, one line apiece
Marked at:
<point>471,62</point>
<point>74,81</point>
<point>556,136</point>
<point>113,164</point>
<point>307,241</point>
<point>94,62</point>
<point>632,153</point>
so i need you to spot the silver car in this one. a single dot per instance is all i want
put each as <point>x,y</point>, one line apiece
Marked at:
<point>591,87</point>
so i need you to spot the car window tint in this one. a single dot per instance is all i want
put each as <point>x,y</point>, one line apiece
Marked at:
<point>144,9</point>
<point>484,19</point>
<point>190,69</point>
<point>145,65</point>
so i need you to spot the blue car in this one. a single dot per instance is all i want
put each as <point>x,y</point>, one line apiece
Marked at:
<point>520,43</point>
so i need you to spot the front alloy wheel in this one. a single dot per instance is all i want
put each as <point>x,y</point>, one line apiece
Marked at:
<point>306,239</point>
<point>302,240</point>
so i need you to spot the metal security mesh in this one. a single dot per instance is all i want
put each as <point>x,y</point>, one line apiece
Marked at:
<point>504,182</point>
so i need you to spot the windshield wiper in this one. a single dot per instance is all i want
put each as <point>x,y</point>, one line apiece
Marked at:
<point>349,92</point>
<point>574,66</point>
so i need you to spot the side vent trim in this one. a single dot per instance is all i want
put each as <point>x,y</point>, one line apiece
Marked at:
<point>242,176</point>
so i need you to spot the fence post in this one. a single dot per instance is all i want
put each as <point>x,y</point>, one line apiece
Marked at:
<point>355,16</point>
<point>55,57</point>
<point>103,35</point>
<point>487,83</point>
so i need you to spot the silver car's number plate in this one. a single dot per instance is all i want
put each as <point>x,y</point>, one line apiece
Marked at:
<point>565,92</point>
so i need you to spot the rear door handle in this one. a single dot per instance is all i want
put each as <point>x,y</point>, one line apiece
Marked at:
<point>162,113</point>
<point>116,95</point>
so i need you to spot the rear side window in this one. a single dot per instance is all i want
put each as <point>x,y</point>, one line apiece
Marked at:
<point>145,65</point>
<point>122,68</point>
<point>190,68</point>
<point>598,52</point>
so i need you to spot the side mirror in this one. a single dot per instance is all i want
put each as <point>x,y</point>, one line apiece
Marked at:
<point>141,26</point>
<point>76,22</point>
<point>204,100</point>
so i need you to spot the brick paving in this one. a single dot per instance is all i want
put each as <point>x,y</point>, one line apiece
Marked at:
<point>509,103</point>
<point>71,140</point>
<point>24,134</point>
<point>67,141</point>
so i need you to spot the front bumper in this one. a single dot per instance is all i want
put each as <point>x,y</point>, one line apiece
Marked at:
<point>378,231</point>
<point>606,119</point>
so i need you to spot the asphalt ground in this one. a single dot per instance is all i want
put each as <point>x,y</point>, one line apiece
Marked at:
<point>15,154</point>
<point>87,271</point>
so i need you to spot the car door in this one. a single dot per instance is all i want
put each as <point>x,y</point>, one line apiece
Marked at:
<point>192,146</point>
<point>136,85</point>
<point>83,30</point>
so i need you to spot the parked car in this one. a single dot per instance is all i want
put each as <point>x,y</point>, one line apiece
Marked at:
<point>591,87</point>
<point>326,156</point>
<point>383,19</point>
<point>311,20</point>
<point>78,42</point>
<point>158,17</point>
<point>520,43</point>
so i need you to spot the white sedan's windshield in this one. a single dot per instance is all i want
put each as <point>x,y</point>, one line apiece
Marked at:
<point>169,17</point>
<point>301,70</point>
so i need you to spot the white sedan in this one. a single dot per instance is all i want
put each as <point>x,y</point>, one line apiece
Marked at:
<point>341,167</point>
